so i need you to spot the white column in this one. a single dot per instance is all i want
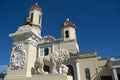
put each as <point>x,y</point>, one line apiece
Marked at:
<point>53,48</point>
<point>77,70</point>
<point>115,74</point>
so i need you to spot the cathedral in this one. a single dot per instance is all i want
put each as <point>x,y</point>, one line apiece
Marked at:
<point>29,46</point>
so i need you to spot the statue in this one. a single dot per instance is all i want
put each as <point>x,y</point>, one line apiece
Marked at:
<point>64,69</point>
<point>53,60</point>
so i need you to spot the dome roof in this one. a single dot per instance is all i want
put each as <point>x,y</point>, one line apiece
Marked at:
<point>68,23</point>
<point>36,6</point>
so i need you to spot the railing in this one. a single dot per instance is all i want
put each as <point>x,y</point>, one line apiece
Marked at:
<point>88,54</point>
<point>117,58</point>
<point>115,63</point>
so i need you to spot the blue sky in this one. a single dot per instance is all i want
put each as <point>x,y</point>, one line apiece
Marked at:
<point>97,22</point>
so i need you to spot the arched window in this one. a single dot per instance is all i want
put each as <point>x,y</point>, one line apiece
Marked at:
<point>31,17</point>
<point>87,74</point>
<point>46,51</point>
<point>67,34</point>
<point>39,19</point>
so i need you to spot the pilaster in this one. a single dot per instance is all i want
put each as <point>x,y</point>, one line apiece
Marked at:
<point>77,70</point>
<point>115,74</point>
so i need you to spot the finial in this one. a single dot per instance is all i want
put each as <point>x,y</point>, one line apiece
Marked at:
<point>67,19</point>
<point>36,3</point>
<point>36,6</point>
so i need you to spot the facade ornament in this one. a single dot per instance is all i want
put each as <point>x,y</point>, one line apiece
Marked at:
<point>41,41</point>
<point>37,40</point>
<point>19,46</point>
<point>18,57</point>
<point>33,37</point>
<point>25,42</point>
<point>24,28</point>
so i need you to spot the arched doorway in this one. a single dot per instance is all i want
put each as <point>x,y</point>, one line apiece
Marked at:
<point>70,71</point>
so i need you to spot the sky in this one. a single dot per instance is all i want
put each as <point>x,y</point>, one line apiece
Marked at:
<point>97,22</point>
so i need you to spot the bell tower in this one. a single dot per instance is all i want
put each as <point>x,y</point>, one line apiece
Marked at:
<point>24,49</point>
<point>68,35</point>
<point>68,30</point>
<point>35,16</point>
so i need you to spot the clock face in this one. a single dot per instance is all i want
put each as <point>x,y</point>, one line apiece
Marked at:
<point>18,59</point>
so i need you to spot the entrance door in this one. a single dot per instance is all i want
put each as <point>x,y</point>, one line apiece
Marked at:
<point>46,69</point>
<point>70,71</point>
<point>109,77</point>
<point>118,76</point>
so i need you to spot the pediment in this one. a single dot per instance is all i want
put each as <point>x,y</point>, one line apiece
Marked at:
<point>49,38</point>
